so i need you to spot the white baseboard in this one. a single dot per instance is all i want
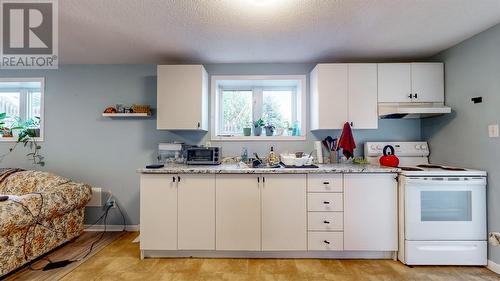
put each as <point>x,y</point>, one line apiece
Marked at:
<point>113,227</point>
<point>495,267</point>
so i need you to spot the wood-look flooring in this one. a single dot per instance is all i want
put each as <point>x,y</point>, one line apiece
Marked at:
<point>71,250</point>
<point>120,261</point>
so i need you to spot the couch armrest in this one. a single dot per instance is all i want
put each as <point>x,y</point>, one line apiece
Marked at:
<point>22,211</point>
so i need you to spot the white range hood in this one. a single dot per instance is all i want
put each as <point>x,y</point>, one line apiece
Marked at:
<point>411,110</point>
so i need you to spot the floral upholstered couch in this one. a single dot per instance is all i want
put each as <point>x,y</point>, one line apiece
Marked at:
<point>43,211</point>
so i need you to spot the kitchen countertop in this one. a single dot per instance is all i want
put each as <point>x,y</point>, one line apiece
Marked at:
<point>234,169</point>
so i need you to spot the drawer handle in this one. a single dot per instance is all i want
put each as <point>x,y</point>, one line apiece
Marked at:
<point>173,179</point>
<point>326,202</point>
<point>326,242</point>
<point>326,182</point>
<point>326,222</point>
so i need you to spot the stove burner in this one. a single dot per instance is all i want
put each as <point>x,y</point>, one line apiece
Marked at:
<point>448,168</point>
<point>410,169</point>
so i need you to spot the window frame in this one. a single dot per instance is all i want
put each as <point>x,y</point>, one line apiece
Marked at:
<point>41,80</point>
<point>216,106</point>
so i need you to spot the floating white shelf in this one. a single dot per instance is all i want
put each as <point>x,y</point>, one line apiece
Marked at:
<point>126,115</point>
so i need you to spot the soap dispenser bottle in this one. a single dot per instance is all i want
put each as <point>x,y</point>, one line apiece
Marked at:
<point>272,158</point>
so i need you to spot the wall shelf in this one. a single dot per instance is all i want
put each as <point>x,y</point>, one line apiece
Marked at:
<point>126,115</point>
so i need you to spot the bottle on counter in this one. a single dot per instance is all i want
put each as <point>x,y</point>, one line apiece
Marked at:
<point>272,158</point>
<point>244,155</point>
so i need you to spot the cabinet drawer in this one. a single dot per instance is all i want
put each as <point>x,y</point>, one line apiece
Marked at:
<point>325,241</point>
<point>325,202</point>
<point>325,221</point>
<point>324,183</point>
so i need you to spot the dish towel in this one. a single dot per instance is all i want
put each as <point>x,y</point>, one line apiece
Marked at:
<point>346,141</point>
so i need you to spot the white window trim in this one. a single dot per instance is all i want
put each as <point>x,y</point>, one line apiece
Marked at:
<point>42,102</point>
<point>215,104</point>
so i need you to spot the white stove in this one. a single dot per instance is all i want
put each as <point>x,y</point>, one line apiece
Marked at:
<point>442,209</point>
<point>414,160</point>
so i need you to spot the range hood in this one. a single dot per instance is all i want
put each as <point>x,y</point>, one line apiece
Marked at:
<point>411,110</point>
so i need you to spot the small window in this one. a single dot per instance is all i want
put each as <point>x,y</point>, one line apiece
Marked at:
<point>21,99</point>
<point>240,102</point>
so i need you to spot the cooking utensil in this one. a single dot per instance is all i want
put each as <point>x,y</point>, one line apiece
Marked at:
<point>389,159</point>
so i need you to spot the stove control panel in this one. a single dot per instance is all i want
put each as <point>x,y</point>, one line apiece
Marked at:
<point>407,149</point>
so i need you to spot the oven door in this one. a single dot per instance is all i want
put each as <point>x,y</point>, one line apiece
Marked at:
<point>445,208</point>
<point>200,156</point>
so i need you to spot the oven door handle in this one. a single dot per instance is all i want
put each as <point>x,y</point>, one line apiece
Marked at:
<point>445,181</point>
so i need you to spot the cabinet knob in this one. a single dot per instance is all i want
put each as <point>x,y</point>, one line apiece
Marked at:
<point>415,95</point>
<point>326,182</point>
<point>352,124</point>
<point>258,179</point>
<point>326,241</point>
<point>173,179</point>
<point>263,179</point>
<point>326,222</point>
<point>326,202</point>
<point>199,125</point>
<point>410,96</point>
<point>178,179</point>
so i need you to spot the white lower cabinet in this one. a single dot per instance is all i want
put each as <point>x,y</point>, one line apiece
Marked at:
<point>196,212</point>
<point>267,212</point>
<point>284,222</point>
<point>238,213</point>
<point>370,212</point>
<point>158,212</point>
<point>326,241</point>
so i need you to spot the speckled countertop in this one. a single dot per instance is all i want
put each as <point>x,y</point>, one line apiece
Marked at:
<point>235,169</point>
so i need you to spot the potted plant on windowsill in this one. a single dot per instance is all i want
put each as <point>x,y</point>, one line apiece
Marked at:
<point>269,129</point>
<point>257,127</point>
<point>247,130</point>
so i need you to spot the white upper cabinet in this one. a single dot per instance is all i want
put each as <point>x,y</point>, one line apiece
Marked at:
<point>363,109</point>
<point>284,222</point>
<point>394,82</point>
<point>427,82</point>
<point>343,93</point>
<point>328,93</point>
<point>182,97</point>
<point>410,82</point>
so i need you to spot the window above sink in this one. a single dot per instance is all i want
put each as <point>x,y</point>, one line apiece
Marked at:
<point>238,102</point>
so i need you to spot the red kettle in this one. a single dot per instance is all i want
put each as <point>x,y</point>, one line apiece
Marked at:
<point>389,159</point>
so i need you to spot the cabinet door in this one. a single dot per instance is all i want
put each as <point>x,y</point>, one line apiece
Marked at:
<point>427,82</point>
<point>329,96</point>
<point>181,97</point>
<point>284,222</point>
<point>158,212</point>
<point>238,212</point>
<point>196,201</point>
<point>394,82</point>
<point>370,212</point>
<point>363,103</point>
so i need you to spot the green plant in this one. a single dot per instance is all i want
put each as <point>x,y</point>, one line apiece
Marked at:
<point>259,123</point>
<point>27,136</point>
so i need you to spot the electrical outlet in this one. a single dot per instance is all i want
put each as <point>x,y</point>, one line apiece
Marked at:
<point>493,131</point>
<point>95,201</point>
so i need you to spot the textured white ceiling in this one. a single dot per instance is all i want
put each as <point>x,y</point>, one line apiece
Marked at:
<point>228,31</point>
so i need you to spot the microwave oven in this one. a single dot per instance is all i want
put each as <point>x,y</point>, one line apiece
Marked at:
<point>203,155</point>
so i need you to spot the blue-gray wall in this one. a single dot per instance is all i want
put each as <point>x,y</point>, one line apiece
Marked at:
<point>472,69</point>
<point>82,145</point>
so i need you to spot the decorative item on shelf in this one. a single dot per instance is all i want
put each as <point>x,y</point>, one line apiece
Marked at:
<point>247,130</point>
<point>120,108</point>
<point>139,108</point>
<point>110,110</point>
<point>257,127</point>
<point>269,129</point>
